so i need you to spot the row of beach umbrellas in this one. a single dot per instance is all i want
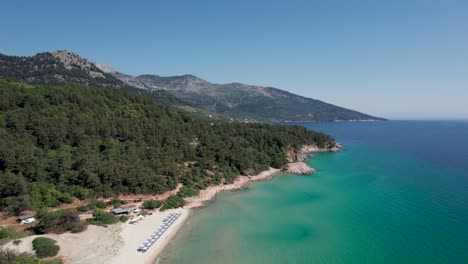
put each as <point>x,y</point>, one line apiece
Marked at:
<point>167,222</point>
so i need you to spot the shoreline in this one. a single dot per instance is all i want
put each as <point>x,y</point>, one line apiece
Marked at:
<point>134,235</point>
<point>241,182</point>
<point>118,243</point>
<point>296,165</point>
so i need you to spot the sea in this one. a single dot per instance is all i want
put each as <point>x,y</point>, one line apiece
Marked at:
<point>397,193</point>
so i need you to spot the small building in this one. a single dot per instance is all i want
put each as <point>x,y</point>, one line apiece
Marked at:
<point>124,210</point>
<point>26,219</point>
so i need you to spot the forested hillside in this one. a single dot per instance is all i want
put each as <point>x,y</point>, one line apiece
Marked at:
<point>242,101</point>
<point>60,142</point>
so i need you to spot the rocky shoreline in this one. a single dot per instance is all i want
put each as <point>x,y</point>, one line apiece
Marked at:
<point>300,168</point>
<point>241,182</point>
<point>296,165</point>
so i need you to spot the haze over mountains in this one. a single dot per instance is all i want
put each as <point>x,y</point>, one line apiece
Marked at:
<point>233,100</point>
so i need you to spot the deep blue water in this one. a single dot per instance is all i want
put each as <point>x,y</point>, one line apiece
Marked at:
<point>444,143</point>
<point>397,193</point>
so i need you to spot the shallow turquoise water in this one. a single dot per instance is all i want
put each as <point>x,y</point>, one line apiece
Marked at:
<point>387,198</point>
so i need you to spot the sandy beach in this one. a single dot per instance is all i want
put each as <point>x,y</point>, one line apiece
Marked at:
<point>134,235</point>
<point>95,245</point>
<point>116,244</point>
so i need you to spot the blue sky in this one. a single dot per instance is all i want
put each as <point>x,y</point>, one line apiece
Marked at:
<point>397,59</point>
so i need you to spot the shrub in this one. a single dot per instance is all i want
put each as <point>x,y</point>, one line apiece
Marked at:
<point>6,233</point>
<point>78,227</point>
<point>52,261</point>
<point>66,198</point>
<point>97,204</point>
<point>103,218</point>
<point>116,202</point>
<point>123,218</point>
<point>152,204</point>
<point>188,192</point>
<point>45,247</point>
<point>9,256</point>
<point>59,221</point>
<point>17,242</point>
<point>16,205</point>
<point>173,201</point>
<point>82,208</point>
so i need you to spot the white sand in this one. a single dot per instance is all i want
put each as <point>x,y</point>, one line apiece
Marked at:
<point>116,244</point>
<point>95,245</point>
<point>135,234</point>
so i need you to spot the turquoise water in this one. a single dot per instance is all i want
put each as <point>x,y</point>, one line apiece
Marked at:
<point>397,193</point>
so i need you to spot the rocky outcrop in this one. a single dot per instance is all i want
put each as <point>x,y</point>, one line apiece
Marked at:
<point>297,159</point>
<point>56,67</point>
<point>304,153</point>
<point>72,61</point>
<point>300,168</point>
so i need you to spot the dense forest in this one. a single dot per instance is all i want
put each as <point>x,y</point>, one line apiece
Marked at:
<point>66,141</point>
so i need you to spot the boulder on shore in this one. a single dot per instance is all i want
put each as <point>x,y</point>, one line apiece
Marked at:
<point>300,168</point>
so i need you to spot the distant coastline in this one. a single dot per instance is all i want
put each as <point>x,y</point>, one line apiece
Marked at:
<point>336,120</point>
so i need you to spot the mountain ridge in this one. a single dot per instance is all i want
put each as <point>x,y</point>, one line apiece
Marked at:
<point>190,93</point>
<point>240,100</point>
<point>56,67</point>
<point>62,67</point>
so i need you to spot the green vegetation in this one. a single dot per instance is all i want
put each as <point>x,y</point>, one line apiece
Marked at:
<point>116,202</point>
<point>8,256</point>
<point>52,261</point>
<point>252,102</point>
<point>102,218</point>
<point>45,247</point>
<point>61,142</point>
<point>17,242</point>
<point>173,201</point>
<point>189,191</point>
<point>123,218</point>
<point>152,204</point>
<point>96,204</point>
<point>59,221</point>
<point>6,233</point>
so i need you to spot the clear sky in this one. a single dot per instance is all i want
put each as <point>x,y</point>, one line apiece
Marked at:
<point>397,59</point>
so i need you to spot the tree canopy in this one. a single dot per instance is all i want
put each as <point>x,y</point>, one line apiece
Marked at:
<point>61,142</point>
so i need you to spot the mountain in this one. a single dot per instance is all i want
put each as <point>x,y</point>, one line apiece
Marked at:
<point>56,67</point>
<point>187,92</point>
<point>242,101</point>
<point>62,67</point>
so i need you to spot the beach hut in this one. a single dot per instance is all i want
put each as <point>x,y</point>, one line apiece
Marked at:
<point>124,210</point>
